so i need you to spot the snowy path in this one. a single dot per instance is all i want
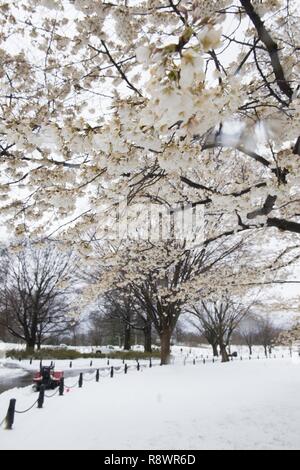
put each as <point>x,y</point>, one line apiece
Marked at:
<point>253,405</point>
<point>6,372</point>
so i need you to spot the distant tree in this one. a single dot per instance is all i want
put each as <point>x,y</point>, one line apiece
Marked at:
<point>119,309</point>
<point>249,337</point>
<point>249,332</point>
<point>290,338</point>
<point>96,331</point>
<point>219,320</point>
<point>34,294</point>
<point>208,332</point>
<point>179,333</point>
<point>267,333</point>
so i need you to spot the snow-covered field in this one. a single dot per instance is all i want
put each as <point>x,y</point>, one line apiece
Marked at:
<point>240,405</point>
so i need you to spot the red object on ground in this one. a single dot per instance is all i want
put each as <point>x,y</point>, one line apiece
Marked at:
<point>48,377</point>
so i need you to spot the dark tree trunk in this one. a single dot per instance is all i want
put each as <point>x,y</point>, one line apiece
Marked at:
<point>165,344</point>
<point>30,346</point>
<point>127,338</point>
<point>215,350</point>
<point>148,338</point>
<point>224,353</point>
<point>266,351</point>
<point>250,350</point>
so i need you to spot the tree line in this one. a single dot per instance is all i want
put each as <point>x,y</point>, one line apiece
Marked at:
<point>39,291</point>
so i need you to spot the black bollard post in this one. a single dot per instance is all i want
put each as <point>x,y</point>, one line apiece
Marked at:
<point>204,361</point>
<point>108,362</point>
<point>126,368</point>
<point>30,362</point>
<point>80,383</point>
<point>97,375</point>
<point>41,364</point>
<point>112,372</point>
<point>150,363</point>
<point>71,365</point>
<point>91,364</point>
<point>10,417</point>
<point>194,362</point>
<point>20,359</point>
<point>123,361</point>
<point>41,398</point>
<point>213,360</point>
<point>61,387</point>
<point>138,366</point>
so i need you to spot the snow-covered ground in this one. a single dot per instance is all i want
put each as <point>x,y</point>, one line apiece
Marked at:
<point>240,405</point>
<point>6,372</point>
<point>181,355</point>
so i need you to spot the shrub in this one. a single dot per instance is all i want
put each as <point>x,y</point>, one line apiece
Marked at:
<point>72,354</point>
<point>47,353</point>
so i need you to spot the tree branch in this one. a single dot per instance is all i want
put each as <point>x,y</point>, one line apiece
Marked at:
<point>284,225</point>
<point>271,47</point>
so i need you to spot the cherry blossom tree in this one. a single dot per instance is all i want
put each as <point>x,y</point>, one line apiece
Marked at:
<point>161,278</point>
<point>167,277</point>
<point>289,338</point>
<point>164,102</point>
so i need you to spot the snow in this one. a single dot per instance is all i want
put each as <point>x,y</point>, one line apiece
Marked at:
<point>239,405</point>
<point>78,364</point>
<point>5,372</point>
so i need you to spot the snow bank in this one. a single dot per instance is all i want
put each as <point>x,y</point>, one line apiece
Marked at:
<point>240,405</point>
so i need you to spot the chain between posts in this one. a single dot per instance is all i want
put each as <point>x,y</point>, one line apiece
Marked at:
<point>28,409</point>
<point>53,395</point>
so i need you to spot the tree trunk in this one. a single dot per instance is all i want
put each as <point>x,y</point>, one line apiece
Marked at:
<point>224,354</point>
<point>165,345</point>
<point>148,338</point>
<point>127,338</point>
<point>30,345</point>
<point>250,350</point>
<point>215,350</point>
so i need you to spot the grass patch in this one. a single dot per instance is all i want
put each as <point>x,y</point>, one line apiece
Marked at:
<point>72,354</point>
<point>57,354</point>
